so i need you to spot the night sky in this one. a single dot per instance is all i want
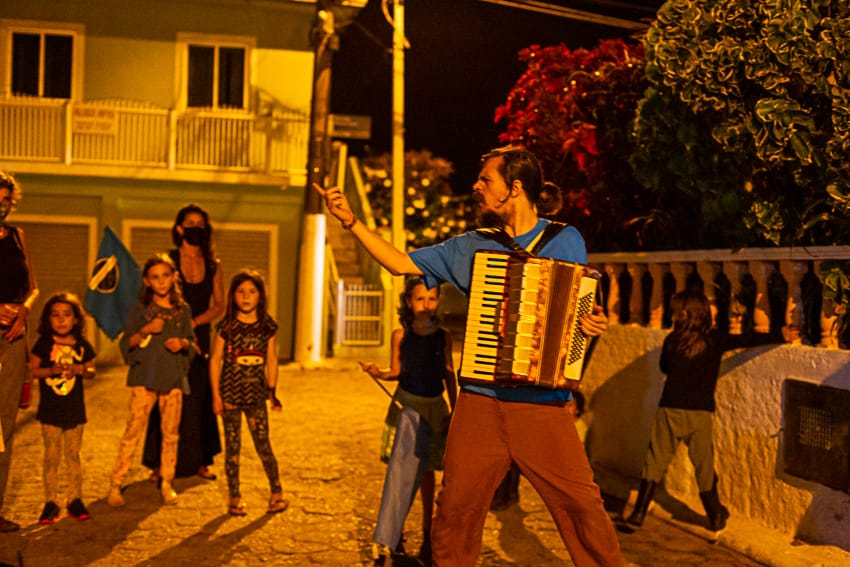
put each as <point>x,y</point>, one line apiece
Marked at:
<point>461,64</point>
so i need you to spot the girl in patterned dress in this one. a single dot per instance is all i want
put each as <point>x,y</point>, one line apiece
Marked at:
<point>243,374</point>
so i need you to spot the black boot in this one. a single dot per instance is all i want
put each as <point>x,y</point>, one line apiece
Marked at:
<point>425,551</point>
<point>644,497</point>
<point>717,513</point>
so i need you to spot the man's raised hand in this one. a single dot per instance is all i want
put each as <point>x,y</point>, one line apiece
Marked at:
<point>337,204</point>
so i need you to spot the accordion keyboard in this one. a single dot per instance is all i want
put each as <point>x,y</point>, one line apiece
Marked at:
<point>484,316</point>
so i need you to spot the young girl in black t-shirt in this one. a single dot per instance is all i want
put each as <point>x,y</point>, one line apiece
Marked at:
<point>61,359</point>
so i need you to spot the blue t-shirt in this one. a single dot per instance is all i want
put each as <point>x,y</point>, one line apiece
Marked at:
<point>451,261</point>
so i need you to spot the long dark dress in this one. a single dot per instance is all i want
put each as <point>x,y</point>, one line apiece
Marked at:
<point>199,438</point>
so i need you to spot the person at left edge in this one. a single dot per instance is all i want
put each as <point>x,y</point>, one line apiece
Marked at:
<point>18,292</point>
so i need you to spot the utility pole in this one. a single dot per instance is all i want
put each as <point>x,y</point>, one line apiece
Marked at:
<point>311,271</point>
<point>398,236</point>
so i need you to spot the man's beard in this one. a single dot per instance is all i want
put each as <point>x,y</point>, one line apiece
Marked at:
<point>488,219</point>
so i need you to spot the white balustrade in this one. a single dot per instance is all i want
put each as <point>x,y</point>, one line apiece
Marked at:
<point>760,266</point>
<point>136,133</point>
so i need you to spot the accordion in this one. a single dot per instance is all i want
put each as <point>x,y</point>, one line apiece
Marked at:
<point>523,322</point>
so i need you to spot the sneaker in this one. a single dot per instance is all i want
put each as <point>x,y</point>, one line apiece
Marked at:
<point>49,513</point>
<point>379,554</point>
<point>169,496</point>
<point>399,549</point>
<point>115,498</point>
<point>77,509</point>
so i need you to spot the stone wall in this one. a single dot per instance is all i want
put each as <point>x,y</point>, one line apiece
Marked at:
<point>623,384</point>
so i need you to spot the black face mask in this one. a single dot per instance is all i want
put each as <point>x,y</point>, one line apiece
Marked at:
<point>194,235</point>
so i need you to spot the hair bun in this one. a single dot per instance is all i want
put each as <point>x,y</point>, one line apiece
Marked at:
<point>549,202</point>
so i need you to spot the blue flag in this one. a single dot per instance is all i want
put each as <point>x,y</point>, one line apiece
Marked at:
<point>114,284</point>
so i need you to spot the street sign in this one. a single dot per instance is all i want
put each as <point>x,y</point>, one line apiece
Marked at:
<point>350,126</point>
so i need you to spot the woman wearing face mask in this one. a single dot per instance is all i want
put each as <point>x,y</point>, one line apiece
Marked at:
<point>201,284</point>
<point>18,291</point>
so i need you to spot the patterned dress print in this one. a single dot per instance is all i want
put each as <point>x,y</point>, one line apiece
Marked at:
<point>243,374</point>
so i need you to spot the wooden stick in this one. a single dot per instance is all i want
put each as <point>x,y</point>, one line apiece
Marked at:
<point>386,391</point>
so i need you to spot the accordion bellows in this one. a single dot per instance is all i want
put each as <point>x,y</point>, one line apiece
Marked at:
<point>523,320</point>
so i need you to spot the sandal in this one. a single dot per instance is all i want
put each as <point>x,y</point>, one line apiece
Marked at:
<point>277,505</point>
<point>205,473</point>
<point>237,510</point>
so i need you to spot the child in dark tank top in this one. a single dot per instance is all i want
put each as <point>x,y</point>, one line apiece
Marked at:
<point>418,417</point>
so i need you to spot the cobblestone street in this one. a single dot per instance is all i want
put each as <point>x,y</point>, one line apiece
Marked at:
<point>326,440</point>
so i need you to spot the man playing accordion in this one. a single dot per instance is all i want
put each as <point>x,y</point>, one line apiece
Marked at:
<point>494,424</point>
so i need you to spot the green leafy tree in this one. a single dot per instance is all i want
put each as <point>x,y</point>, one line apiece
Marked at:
<point>432,212</point>
<point>835,275</point>
<point>746,124</point>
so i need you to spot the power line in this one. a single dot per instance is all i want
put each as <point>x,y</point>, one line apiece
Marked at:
<point>570,13</point>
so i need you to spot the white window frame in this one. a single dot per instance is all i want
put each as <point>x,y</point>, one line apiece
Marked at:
<point>42,28</point>
<point>185,39</point>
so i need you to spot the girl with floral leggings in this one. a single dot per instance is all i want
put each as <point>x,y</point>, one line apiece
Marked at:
<point>243,373</point>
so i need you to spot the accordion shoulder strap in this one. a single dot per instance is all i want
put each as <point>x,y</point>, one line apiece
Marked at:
<point>547,234</point>
<point>500,236</point>
<point>551,230</point>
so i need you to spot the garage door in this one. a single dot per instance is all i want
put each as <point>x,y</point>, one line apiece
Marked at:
<point>236,245</point>
<point>60,250</point>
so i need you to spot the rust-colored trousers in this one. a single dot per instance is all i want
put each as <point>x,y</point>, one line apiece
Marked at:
<point>485,436</point>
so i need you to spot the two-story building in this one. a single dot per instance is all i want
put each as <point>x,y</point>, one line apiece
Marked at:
<point>117,114</point>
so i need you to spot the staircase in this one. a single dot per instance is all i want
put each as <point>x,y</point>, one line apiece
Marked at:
<point>360,316</point>
<point>346,252</point>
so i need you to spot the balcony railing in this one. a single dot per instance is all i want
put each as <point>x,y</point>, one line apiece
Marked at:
<point>133,133</point>
<point>757,288</point>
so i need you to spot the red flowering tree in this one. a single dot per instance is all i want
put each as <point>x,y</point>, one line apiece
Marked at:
<point>574,110</point>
